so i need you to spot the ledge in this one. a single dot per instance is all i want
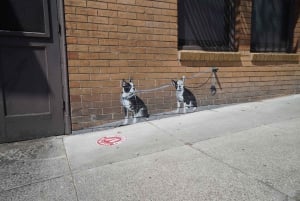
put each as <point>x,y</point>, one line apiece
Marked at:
<point>196,55</point>
<point>275,57</point>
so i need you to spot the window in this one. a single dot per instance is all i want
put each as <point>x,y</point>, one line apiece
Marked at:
<point>206,24</point>
<point>271,29</point>
<point>24,18</point>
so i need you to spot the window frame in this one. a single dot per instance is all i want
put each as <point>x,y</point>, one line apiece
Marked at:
<point>259,47</point>
<point>38,34</point>
<point>229,45</point>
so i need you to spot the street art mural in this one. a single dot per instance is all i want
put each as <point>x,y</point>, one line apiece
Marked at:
<point>185,99</point>
<point>132,103</point>
<point>185,96</point>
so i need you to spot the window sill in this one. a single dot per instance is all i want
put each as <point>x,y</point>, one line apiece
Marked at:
<point>275,57</point>
<point>196,55</point>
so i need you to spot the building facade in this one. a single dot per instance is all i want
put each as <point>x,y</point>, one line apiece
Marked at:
<point>253,45</point>
<point>111,40</point>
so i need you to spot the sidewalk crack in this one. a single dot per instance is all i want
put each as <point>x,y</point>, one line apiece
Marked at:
<point>287,197</point>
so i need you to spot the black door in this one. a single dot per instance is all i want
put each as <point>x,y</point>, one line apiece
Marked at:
<point>31,99</point>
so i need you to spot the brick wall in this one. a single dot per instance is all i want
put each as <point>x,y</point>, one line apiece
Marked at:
<point>111,40</point>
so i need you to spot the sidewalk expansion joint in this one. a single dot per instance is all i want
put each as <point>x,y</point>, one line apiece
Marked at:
<point>163,130</point>
<point>71,172</point>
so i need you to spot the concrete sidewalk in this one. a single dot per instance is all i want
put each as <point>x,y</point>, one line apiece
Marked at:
<point>239,152</point>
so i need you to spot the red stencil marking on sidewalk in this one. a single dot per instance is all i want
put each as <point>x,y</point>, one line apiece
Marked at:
<point>109,141</point>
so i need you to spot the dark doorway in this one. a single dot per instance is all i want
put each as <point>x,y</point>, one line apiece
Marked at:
<point>31,92</point>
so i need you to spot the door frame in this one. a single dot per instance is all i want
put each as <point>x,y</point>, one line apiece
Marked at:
<point>65,121</point>
<point>64,66</point>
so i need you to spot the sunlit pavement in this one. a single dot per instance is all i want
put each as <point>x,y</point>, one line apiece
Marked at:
<point>247,151</point>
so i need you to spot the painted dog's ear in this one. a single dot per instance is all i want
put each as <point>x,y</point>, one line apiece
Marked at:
<point>123,82</point>
<point>174,82</point>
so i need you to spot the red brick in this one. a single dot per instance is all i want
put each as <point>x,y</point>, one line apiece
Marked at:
<point>80,3</point>
<point>98,20</point>
<point>95,4</point>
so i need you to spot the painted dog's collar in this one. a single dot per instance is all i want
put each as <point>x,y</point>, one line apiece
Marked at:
<point>127,97</point>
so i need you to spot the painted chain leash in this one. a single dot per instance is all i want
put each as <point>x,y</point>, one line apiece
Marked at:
<point>213,77</point>
<point>154,89</point>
